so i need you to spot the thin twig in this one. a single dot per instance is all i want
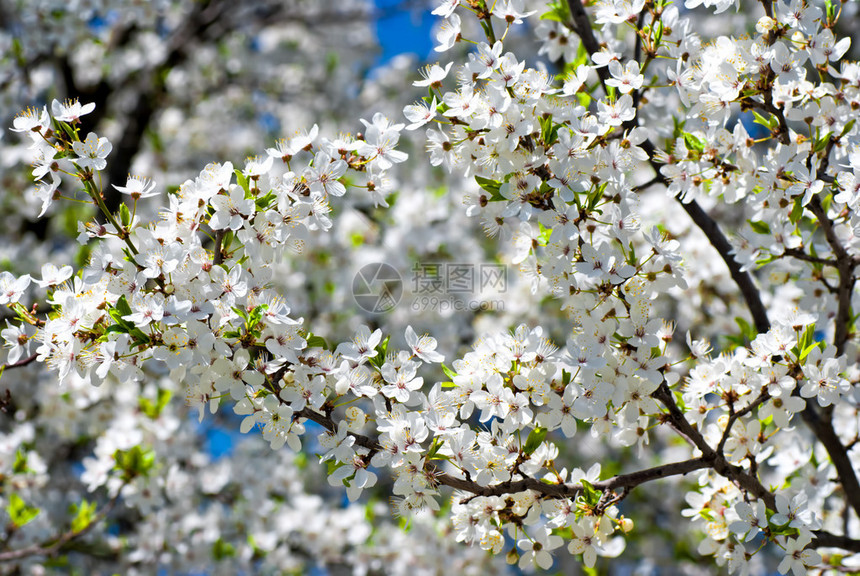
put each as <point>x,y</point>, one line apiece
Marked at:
<point>801,255</point>
<point>28,360</point>
<point>624,481</point>
<point>764,396</point>
<point>218,257</point>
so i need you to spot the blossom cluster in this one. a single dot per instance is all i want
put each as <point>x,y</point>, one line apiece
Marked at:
<point>561,166</point>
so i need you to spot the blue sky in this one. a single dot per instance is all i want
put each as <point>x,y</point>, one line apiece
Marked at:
<point>403,31</point>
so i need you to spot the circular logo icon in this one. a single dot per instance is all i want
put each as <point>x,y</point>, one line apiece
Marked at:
<point>377,287</point>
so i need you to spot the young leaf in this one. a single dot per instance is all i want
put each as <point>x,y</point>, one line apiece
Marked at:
<point>85,514</point>
<point>19,512</point>
<point>535,439</point>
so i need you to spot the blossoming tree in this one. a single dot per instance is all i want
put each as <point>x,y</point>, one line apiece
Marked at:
<point>751,139</point>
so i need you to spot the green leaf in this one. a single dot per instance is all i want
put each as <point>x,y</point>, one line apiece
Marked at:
<point>222,550</point>
<point>122,306</point>
<point>549,130</point>
<point>836,560</point>
<point>82,255</point>
<point>806,344</point>
<point>381,350</point>
<point>707,514</point>
<point>747,330</point>
<point>803,341</point>
<point>796,210</point>
<point>316,342</point>
<point>135,461</point>
<point>60,562</point>
<point>242,181</point>
<point>759,227</point>
<point>20,465</point>
<point>582,56</point>
<point>658,33</point>
<point>590,495</point>
<point>770,123</point>
<point>826,202</point>
<point>140,339</point>
<point>20,512</point>
<point>241,312</point>
<point>490,186</point>
<point>583,99</point>
<point>545,234</point>
<point>114,328</point>
<point>331,62</point>
<point>434,448</point>
<point>611,93</point>
<point>805,352</point>
<point>300,460</point>
<point>85,514</point>
<point>123,326</point>
<point>557,12</point>
<point>256,314</point>
<point>747,334</point>
<point>124,215</point>
<point>535,439</point>
<point>678,125</point>
<point>830,10</point>
<point>448,372</point>
<point>821,143</point>
<point>263,202</point>
<point>153,409</point>
<point>18,51</point>
<point>693,143</point>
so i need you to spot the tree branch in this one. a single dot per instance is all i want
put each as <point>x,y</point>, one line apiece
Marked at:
<point>801,255</point>
<point>329,424</point>
<point>715,459</point>
<point>626,481</point>
<point>845,266</point>
<point>50,548</point>
<point>28,360</point>
<point>581,25</point>
<point>826,434</point>
<point>743,279</point>
<point>824,539</point>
